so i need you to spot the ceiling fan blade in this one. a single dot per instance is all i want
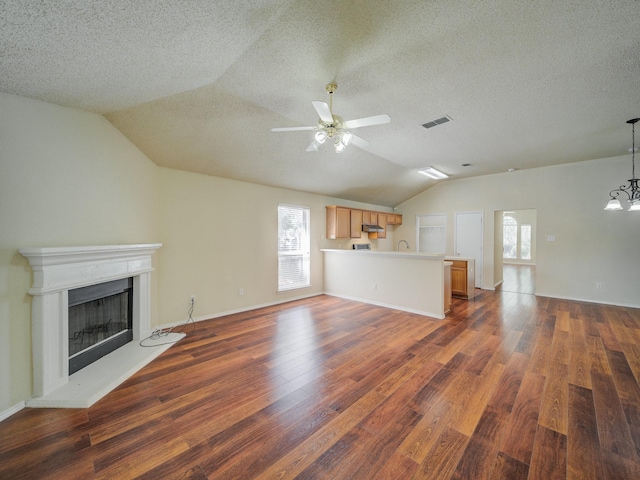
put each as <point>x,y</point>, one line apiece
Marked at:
<point>291,129</point>
<point>323,111</point>
<point>359,141</point>
<point>313,147</point>
<point>367,121</point>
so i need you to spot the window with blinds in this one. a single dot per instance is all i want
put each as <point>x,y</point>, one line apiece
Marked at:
<point>293,247</point>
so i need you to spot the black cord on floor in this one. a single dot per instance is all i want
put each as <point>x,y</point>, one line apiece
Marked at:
<point>164,332</point>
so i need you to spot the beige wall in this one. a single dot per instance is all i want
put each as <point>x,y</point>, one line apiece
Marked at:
<point>220,235</point>
<point>592,246</point>
<point>67,177</point>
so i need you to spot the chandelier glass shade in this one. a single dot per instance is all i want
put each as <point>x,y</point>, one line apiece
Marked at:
<point>632,191</point>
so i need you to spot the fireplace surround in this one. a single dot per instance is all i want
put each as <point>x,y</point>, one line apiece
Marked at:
<point>60,269</point>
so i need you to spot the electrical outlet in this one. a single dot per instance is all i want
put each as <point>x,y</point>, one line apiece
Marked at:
<point>598,285</point>
<point>241,292</point>
<point>193,299</point>
<point>375,286</point>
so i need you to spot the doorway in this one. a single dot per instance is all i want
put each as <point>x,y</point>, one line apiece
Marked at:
<point>517,235</point>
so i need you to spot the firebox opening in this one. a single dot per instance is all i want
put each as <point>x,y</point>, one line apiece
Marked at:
<point>100,321</point>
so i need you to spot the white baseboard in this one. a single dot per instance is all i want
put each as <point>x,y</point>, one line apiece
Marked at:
<point>587,300</point>
<point>386,305</point>
<point>243,309</point>
<point>10,411</point>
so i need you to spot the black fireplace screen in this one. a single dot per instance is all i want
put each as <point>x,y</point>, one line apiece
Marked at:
<point>100,321</point>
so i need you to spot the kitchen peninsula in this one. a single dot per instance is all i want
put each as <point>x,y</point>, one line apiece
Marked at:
<point>412,282</point>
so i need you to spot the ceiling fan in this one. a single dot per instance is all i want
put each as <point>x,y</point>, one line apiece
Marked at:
<point>331,127</point>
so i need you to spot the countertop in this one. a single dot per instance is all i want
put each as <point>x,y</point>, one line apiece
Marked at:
<point>468,259</point>
<point>427,256</point>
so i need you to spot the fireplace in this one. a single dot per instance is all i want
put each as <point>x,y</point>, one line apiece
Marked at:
<point>100,321</point>
<point>60,275</point>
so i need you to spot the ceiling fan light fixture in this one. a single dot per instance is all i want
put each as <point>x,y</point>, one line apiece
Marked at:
<point>332,126</point>
<point>433,173</point>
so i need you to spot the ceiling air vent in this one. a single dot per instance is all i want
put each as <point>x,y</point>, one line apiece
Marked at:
<point>438,121</point>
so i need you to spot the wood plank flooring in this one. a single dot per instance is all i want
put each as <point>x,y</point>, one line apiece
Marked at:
<point>508,386</point>
<point>518,278</point>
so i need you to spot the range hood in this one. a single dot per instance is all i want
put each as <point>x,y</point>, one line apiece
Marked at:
<point>366,227</point>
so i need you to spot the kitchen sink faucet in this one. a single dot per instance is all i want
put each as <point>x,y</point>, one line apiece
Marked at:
<point>407,243</point>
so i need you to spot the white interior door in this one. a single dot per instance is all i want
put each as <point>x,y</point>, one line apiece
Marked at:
<point>468,240</point>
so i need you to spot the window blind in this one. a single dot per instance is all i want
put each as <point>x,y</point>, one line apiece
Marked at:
<point>293,247</point>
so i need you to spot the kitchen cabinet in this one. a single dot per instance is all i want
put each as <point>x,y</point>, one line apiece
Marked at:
<point>462,278</point>
<point>356,223</point>
<point>394,219</point>
<point>343,222</point>
<point>338,222</point>
<point>382,221</point>
<point>369,218</point>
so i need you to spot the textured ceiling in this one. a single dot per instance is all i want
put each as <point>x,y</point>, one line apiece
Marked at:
<point>197,85</point>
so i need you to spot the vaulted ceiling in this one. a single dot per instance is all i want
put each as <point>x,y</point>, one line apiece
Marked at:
<point>198,84</point>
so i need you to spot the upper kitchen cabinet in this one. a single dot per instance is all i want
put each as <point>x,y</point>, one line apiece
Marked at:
<point>394,219</point>
<point>356,223</point>
<point>382,222</point>
<point>343,222</point>
<point>338,222</point>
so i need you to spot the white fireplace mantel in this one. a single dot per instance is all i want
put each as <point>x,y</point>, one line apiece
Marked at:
<point>55,272</point>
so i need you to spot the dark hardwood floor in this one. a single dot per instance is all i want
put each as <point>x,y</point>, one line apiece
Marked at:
<point>508,386</point>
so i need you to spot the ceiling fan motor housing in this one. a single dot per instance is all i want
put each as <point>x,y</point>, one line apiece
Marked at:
<point>332,128</point>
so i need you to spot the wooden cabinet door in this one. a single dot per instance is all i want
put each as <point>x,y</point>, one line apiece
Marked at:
<point>338,222</point>
<point>382,221</point>
<point>356,223</point>
<point>343,223</point>
<point>366,217</point>
<point>459,278</point>
<point>394,219</point>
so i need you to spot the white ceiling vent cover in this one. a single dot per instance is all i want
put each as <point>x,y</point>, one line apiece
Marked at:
<point>438,121</point>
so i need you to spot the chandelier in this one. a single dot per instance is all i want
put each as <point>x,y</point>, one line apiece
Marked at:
<point>632,191</point>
